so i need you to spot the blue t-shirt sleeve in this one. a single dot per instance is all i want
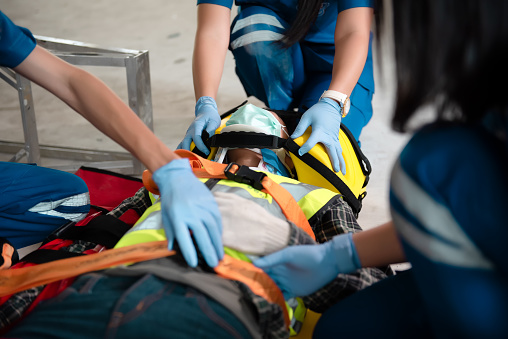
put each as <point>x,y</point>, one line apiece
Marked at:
<point>463,170</point>
<point>225,3</point>
<point>16,43</point>
<point>347,4</point>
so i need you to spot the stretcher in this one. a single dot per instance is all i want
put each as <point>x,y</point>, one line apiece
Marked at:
<point>306,172</point>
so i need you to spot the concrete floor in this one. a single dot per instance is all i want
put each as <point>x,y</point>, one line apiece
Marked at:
<point>166,29</point>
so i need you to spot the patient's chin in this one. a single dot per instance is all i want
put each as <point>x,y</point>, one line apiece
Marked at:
<point>245,157</point>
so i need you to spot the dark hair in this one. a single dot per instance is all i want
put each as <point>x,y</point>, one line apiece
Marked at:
<point>307,13</point>
<point>452,53</point>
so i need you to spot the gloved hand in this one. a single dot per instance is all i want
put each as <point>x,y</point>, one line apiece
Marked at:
<point>188,205</point>
<point>302,270</point>
<point>324,117</point>
<point>207,118</point>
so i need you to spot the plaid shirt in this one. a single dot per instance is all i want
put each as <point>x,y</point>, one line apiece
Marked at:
<point>337,218</point>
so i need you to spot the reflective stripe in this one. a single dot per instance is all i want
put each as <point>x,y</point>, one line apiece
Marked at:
<point>67,216</point>
<point>81,199</point>
<point>48,207</point>
<point>256,36</point>
<point>443,240</point>
<point>257,19</point>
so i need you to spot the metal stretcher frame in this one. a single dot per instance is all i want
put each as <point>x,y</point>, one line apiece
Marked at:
<point>78,53</point>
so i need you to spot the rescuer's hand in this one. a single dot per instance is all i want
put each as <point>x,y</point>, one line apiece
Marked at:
<point>303,269</point>
<point>324,117</point>
<point>207,118</point>
<point>187,205</point>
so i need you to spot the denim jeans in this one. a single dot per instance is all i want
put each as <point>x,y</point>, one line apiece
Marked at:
<point>100,306</point>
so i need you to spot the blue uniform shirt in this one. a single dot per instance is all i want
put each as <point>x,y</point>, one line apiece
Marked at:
<point>16,43</point>
<point>322,31</point>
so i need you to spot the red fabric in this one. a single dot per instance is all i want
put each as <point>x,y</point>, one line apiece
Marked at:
<point>108,189</point>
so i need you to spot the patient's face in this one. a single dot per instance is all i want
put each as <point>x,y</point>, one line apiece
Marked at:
<point>246,157</point>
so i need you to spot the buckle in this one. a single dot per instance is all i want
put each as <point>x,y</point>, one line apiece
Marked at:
<point>244,175</point>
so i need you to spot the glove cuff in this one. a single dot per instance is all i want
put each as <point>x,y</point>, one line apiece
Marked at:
<point>345,254</point>
<point>332,103</point>
<point>203,101</point>
<point>164,174</point>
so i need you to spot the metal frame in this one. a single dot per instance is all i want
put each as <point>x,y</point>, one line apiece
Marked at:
<point>78,53</point>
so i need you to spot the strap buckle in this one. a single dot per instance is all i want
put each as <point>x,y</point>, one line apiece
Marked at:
<point>244,175</point>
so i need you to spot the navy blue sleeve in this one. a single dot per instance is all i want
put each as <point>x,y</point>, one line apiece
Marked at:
<point>225,3</point>
<point>455,188</point>
<point>347,4</point>
<point>16,43</point>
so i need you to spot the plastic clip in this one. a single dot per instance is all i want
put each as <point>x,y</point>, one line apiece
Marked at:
<point>244,175</point>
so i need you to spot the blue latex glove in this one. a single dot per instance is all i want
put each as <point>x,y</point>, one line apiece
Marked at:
<point>207,118</point>
<point>324,117</point>
<point>302,270</point>
<point>188,205</point>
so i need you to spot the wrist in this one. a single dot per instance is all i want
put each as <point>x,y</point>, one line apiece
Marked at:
<point>205,101</point>
<point>166,172</point>
<point>345,254</point>
<point>340,98</point>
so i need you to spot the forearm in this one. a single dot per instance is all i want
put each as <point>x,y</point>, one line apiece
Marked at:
<point>379,246</point>
<point>104,109</point>
<point>352,37</point>
<point>91,98</point>
<point>210,48</point>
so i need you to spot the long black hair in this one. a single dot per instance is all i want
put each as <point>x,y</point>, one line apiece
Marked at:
<point>307,13</point>
<point>451,53</point>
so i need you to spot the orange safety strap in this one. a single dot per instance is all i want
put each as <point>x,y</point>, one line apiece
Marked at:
<point>258,281</point>
<point>204,168</point>
<point>16,280</point>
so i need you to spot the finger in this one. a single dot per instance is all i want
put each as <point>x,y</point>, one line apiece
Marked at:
<point>309,144</point>
<point>200,144</point>
<point>271,260</point>
<point>334,157</point>
<point>301,127</point>
<point>166,224</point>
<point>204,243</point>
<point>278,275</point>
<point>212,127</point>
<point>186,142</point>
<point>215,231</point>
<point>342,164</point>
<point>183,237</point>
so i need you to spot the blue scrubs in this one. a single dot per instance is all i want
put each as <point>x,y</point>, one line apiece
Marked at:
<point>449,206</point>
<point>295,77</point>
<point>34,200</point>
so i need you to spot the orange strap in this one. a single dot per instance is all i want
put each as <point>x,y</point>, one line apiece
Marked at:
<point>204,168</point>
<point>16,280</point>
<point>258,281</point>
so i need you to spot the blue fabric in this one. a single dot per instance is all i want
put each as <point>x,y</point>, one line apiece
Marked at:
<point>22,187</point>
<point>321,31</point>
<point>16,43</point>
<point>391,309</point>
<point>458,171</point>
<point>274,75</point>
<point>448,200</point>
<point>272,159</point>
<point>98,306</point>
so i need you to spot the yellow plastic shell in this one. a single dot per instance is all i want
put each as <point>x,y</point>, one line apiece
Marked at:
<point>354,177</point>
